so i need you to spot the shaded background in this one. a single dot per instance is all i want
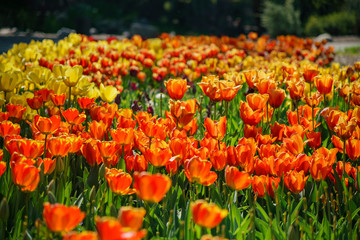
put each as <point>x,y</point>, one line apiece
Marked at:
<point>189,17</point>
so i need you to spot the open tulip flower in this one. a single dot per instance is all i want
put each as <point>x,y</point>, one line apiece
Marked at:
<point>207,215</point>
<point>151,188</point>
<point>176,88</point>
<point>59,218</point>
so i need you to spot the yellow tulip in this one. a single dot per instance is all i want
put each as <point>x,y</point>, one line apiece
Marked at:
<point>39,76</point>
<point>82,87</point>
<point>10,80</point>
<point>57,85</point>
<point>73,75</point>
<point>93,92</point>
<point>108,93</point>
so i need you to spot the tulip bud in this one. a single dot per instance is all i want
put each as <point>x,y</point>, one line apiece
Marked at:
<point>102,171</point>
<point>51,186</point>
<point>52,198</point>
<point>92,195</point>
<point>4,210</point>
<point>59,165</point>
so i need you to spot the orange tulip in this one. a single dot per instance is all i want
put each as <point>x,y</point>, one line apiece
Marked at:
<point>58,99</point>
<point>85,102</point>
<point>338,143</point>
<point>48,163</point>
<point>264,85</point>
<point>294,144</point>
<point>73,117</point>
<point>8,128</point>
<point>216,129</point>
<point>207,215</point>
<point>179,147</point>
<point>136,163</point>
<point>314,139</point>
<point>15,112</point>
<point>30,148</point>
<point>109,228</point>
<point>4,116</point>
<point>257,101</point>
<point>296,89</point>
<point>151,188</point>
<point>352,148</point>
<point>295,181</point>
<point>35,102</point>
<point>277,131</point>
<point>123,136</point>
<point>235,179</point>
<point>87,235</point>
<point>182,112</point>
<point>26,176</point>
<point>218,159</point>
<point>44,93</point>
<point>324,83</point>
<point>2,167</point>
<point>344,129</point>
<point>108,149</point>
<point>157,156</point>
<point>262,184</point>
<point>276,97</point>
<point>320,169</point>
<point>97,129</point>
<point>59,218</point>
<point>131,217</point>
<point>59,146</point>
<point>250,77</point>
<point>252,131</point>
<point>47,125</point>
<point>119,181</point>
<point>198,171</point>
<point>152,130</point>
<point>248,115</point>
<point>314,100</point>
<point>91,152</point>
<point>176,88</point>
<point>309,74</point>
<point>228,90</point>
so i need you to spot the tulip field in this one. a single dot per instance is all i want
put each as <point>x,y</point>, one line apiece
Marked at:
<point>178,137</point>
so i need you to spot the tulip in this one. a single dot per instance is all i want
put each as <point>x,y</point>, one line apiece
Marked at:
<point>73,117</point>
<point>8,128</point>
<point>59,218</point>
<point>295,181</point>
<point>352,147</point>
<point>248,115</point>
<point>123,136</point>
<point>108,93</point>
<point>198,171</point>
<point>294,144</point>
<point>257,101</point>
<point>276,97</point>
<point>25,176</point>
<point>157,156</point>
<point>151,188</point>
<point>30,148</point>
<point>48,163</point>
<point>216,129</point>
<point>237,180</point>
<point>86,235</point>
<point>176,88</point>
<point>324,84</point>
<point>131,217</point>
<point>46,125</point>
<point>119,181</point>
<point>35,102</point>
<point>2,167</point>
<point>15,112</point>
<point>136,163</point>
<point>109,228</point>
<point>85,102</point>
<point>59,146</point>
<point>91,152</point>
<point>207,215</point>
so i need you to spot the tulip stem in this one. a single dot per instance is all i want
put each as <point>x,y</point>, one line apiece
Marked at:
<point>312,112</point>
<point>69,97</point>
<point>44,154</point>
<point>297,110</point>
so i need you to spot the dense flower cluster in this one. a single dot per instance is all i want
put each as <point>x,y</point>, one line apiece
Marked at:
<point>243,113</point>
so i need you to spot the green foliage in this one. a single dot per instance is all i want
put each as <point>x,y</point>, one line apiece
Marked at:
<point>338,23</point>
<point>281,19</point>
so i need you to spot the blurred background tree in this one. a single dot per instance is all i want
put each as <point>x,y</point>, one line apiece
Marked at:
<point>212,17</point>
